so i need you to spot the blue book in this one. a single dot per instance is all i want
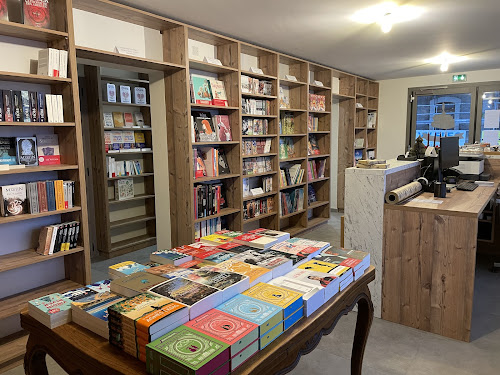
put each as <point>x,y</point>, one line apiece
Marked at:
<point>294,318</point>
<point>51,195</point>
<point>259,312</point>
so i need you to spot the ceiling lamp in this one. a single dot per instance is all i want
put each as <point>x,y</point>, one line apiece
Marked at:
<point>387,14</point>
<point>445,59</point>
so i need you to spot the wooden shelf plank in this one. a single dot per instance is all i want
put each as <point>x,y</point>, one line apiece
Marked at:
<point>125,80</point>
<point>257,75</point>
<point>314,87</point>
<point>342,97</point>
<point>148,174</point>
<point>258,116</point>
<point>212,68</point>
<point>13,305</point>
<point>252,197</point>
<point>294,230</point>
<point>40,168</point>
<point>293,135</point>
<point>318,156</point>
<point>258,96</point>
<point>44,124</point>
<point>131,220</point>
<point>318,204</point>
<point>286,82</point>
<point>12,350</point>
<point>131,242</point>
<point>129,153</point>
<point>149,128</point>
<point>292,214</point>
<point>319,112</point>
<point>260,136</point>
<point>135,198</point>
<point>195,106</point>
<point>319,180</point>
<point>293,110</point>
<point>213,178</point>
<point>292,159</point>
<point>119,104</point>
<point>114,59</point>
<point>257,218</point>
<point>218,143</point>
<point>11,219</point>
<point>319,132</point>
<point>315,221</point>
<point>31,78</point>
<point>26,257</point>
<point>223,212</point>
<point>259,155</point>
<point>259,174</point>
<point>18,30</point>
<point>293,186</point>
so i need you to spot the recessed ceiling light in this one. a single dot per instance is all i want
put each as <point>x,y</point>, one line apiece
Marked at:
<point>445,59</point>
<point>387,14</point>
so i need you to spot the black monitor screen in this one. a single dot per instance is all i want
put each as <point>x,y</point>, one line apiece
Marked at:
<point>448,152</point>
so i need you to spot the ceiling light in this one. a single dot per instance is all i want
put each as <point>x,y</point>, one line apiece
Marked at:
<point>445,59</point>
<point>387,14</point>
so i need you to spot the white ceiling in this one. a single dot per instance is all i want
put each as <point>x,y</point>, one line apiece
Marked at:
<point>321,31</point>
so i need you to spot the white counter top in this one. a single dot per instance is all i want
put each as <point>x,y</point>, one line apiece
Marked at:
<point>394,166</point>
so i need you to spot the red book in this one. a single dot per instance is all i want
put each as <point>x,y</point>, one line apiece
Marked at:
<point>37,13</point>
<point>42,197</point>
<point>4,16</point>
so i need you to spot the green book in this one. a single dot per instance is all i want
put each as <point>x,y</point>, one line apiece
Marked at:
<point>187,351</point>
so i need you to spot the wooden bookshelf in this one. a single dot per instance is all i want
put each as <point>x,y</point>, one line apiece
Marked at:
<point>133,218</point>
<point>20,259</point>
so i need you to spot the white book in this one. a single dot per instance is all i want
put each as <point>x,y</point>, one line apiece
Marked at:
<point>63,63</point>
<point>313,296</point>
<point>53,239</point>
<point>125,95</point>
<point>60,108</point>
<point>50,110</point>
<point>48,62</point>
<point>329,283</point>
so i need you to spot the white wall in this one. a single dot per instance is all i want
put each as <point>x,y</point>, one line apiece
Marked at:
<point>393,103</point>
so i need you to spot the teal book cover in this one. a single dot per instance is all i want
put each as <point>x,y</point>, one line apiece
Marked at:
<point>52,304</point>
<point>249,308</point>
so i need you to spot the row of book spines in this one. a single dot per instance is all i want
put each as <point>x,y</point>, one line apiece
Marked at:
<point>251,85</point>
<point>256,106</point>
<point>53,63</point>
<point>317,102</point>
<point>123,120</point>
<point>207,227</point>
<point>59,237</point>
<point>122,168</point>
<point>30,106</point>
<point>44,196</point>
<point>292,201</point>
<point>312,123</point>
<point>122,141</point>
<point>255,126</point>
<point>207,200</point>
<point>256,165</point>
<point>286,179</point>
<point>258,207</point>
<point>316,169</point>
<point>256,146</point>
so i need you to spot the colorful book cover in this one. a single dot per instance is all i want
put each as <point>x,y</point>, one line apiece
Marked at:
<point>338,259</point>
<point>139,282</point>
<point>313,277</point>
<point>352,254</point>
<point>128,267</point>
<point>215,277</point>
<point>201,90</point>
<point>229,233</point>
<point>224,327</point>
<point>261,259</point>
<point>318,266</point>
<point>82,296</point>
<point>164,269</point>
<point>253,272</point>
<point>99,309</point>
<point>183,290</point>
<point>219,257</point>
<point>223,127</point>
<point>37,13</point>
<point>235,247</point>
<point>255,240</point>
<point>185,351</point>
<point>251,309</point>
<point>48,149</point>
<point>51,304</point>
<point>100,286</point>
<point>287,299</point>
<point>168,256</point>
<point>216,239</point>
<point>218,92</point>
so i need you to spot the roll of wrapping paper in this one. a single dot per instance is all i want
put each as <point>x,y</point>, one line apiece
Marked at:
<point>402,193</point>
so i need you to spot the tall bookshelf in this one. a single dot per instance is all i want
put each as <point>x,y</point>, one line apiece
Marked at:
<point>122,226</point>
<point>18,259</point>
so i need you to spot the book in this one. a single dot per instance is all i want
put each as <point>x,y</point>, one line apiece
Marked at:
<point>313,296</point>
<point>169,271</point>
<point>170,257</point>
<point>139,119</point>
<point>52,310</point>
<point>63,63</point>
<point>276,234</point>
<point>278,265</point>
<point>128,120</point>
<point>111,92</point>
<point>4,14</point>
<point>140,140</point>
<point>218,92</point>
<point>124,189</point>
<point>17,106</point>
<point>25,100</point>
<point>118,120</point>
<point>201,90</point>
<point>14,200</point>
<point>256,274</point>
<point>100,286</point>
<point>200,298</point>
<point>328,282</point>
<point>359,261</point>
<point>287,299</point>
<point>140,95</point>
<point>37,13</point>
<point>255,240</point>
<point>223,128</point>
<point>340,272</point>
<point>371,120</point>
<point>7,151</point>
<point>124,269</point>
<point>42,108</point>
<point>204,128</point>
<point>137,283</point>
<point>48,149</point>
<point>231,330</point>
<point>222,164</point>
<point>48,62</point>
<point>125,94</point>
<point>187,351</point>
<point>216,239</point>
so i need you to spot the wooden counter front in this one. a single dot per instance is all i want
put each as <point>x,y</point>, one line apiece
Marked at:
<point>429,262</point>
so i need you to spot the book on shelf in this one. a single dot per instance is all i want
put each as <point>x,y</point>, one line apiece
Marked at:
<point>257,165</point>
<point>52,310</point>
<point>284,99</point>
<point>111,92</point>
<point>204,128</point>
<point>256,146</point>
<point>52,63</point>
<point>287,124</point>
<point>140,140</point>
<point>218,92</point>
<point>371,120</point>
<point>189,351</point>
<point>209,199</point>
<point>260,107</point>
<point>108,120</point>
<point>358,154</point>
<point>4,13</point>
<point>199,297</point>
<point>17,106</point>
<point>48,149</point>
<point>287,148</point>
<point>140,95</point>
<point>171,257</point>
<point>292,201</point>
<point>58,237</point>
<point>54,107</point>
<point>251,85</point>
<point>312,123</point>
<point>311,194</point>
<point>122,168</point>
<point>254,126</point>
<point>200,89</point>
<point>135,284</point>
<point>7,151</point>
<point>312,145</point>
<point>370,154</point>
<point>26,110</point>
<point>316,169</point>
<point>291,175</point>
<point>124,269</point>
<point>223,127</point>
<point>139,119</point>
<point>317,102</point>
<point>118,120</point>
<point>359,142</point>
<point>255,208</point>
<point>125,94</point>
<point>124,189</point>
<point>14,200</point>
<point>37,13</point>
<point>128,120</point>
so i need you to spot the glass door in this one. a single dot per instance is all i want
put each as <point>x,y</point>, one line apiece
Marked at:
<point>488,114</point>
<point>443,112</point>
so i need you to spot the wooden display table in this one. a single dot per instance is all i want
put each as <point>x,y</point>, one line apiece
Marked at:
<point>79,351</point>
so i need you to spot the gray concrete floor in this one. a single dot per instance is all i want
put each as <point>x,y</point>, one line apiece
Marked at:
<point>392,349</point>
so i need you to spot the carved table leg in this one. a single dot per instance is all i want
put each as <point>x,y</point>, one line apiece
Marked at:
<point>363,325</point>
<point>34,359</point>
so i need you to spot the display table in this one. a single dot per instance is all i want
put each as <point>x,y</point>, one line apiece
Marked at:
<point>79,351</point>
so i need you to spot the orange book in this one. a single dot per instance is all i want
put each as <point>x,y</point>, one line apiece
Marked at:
<point>58,186</point>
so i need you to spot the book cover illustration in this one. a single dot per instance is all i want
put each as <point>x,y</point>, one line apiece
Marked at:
<point>125,95</point>
<point>215,277</point>
<point>222,326</point>
<point>140,95</point>
<point>82,296</point>
<point>235,247</point>
<point>51,304</point>
<point>318,266</point>
<point>217,238</point>
<point>26,151</point>
<point>273,294</point>
<point>111,92</point>
<point>336,258</point>
<point>201,90</point>
<point>7,151</point>
<point>253,272</point>
<point>124,189</point>
<point>139,282</point>
<point>169,271</point>
<point>48,149</point>
<point>14,200</point>
<point>183,290</point>
<point>261,259</point>
<point>37,13</point>
<point>219,257</point>
<point>222,162</point>
<point>188,347</point>
<point>316,278</point>
<point>100,286</point>
<point>128,267</point>
<point>4,15</point>
<point>99,309</point>
<point>246,307</point>
<point>204,128</point>
<point>223,127</point>
<point>218,92</point>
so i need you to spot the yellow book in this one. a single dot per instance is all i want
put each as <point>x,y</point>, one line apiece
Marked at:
<point>118,120</point>
<point>59,190</point>
<point>255,273</point>
<point>318,266</point>
<point>289,300</point>
<point>216,239</point>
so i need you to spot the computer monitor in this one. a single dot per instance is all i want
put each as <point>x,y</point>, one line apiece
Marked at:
<point>448,152</point>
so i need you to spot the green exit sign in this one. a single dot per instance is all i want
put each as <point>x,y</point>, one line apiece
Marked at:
<point>460,78</point>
